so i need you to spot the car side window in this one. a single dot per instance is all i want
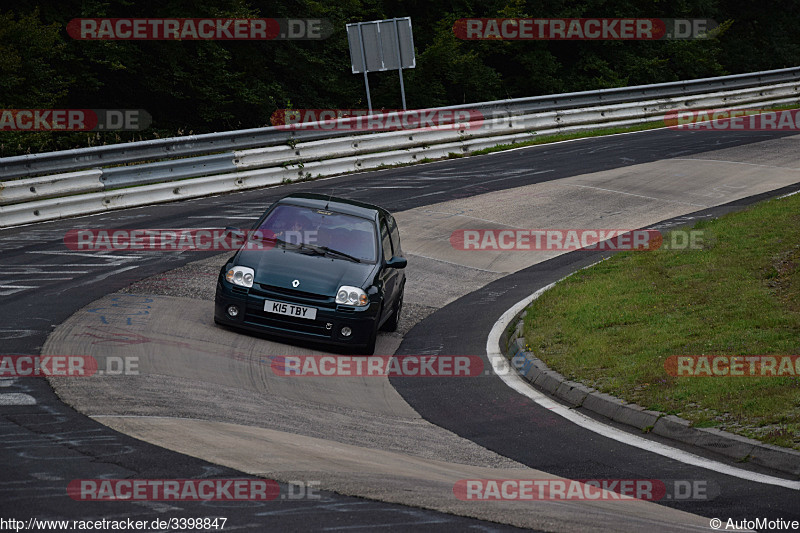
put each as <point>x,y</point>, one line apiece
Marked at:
<point>395,235</point>
<point>386,241</point>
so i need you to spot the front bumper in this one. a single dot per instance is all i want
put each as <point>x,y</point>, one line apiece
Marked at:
<point>325,328</point>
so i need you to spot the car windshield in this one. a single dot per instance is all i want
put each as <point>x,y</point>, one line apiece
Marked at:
<point>322,230</point>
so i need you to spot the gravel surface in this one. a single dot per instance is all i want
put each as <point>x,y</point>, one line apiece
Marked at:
<point>199,280</point>
<point>147,395</point>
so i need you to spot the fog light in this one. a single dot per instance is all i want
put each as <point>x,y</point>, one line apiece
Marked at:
<point>346,331</point>
<point>233,311</point>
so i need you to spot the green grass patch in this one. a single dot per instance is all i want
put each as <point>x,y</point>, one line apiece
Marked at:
<point>545,139</point>
<point>612,326</point>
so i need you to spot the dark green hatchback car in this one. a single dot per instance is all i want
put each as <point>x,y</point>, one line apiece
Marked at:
<point>326,269</point>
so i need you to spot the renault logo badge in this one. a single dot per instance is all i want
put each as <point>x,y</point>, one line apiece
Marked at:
<point>296,283</point>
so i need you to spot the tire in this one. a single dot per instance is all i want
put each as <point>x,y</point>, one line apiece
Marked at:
<point>397,308</point>
<point>369,348</point>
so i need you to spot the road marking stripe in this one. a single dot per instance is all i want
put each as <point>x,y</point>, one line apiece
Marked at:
<point>39,265</point>
<point>16,398</point>
<point>226,217</point>
<point>48,273</point>
<point>95,255</point>
<point>456,264</point>
<point>732,162</point>
<point>632,194</point>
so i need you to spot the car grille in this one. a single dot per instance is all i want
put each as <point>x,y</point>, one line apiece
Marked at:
<point>270,291</point>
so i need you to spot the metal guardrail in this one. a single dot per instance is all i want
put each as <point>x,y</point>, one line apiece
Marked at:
<point>193,145</point>
<point>410,139</point>
<point>125,176</point>
<point>95,190</point>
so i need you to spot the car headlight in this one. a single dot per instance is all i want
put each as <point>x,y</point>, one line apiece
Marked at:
<point>239,275</point>
<point>347,295</point>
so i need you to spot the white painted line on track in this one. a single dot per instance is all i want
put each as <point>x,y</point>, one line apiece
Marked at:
<point>511,378</point>
<point>16,398</point>
<point>108,274</point>
<point>15,291</point>
<point>39,265</point>
<point>471,217</point>
<point>731,162</point>
<point>632,194</point>
<point>37,279</point>
<point>95,255</point>
<point>456,264</point>
<point>47,273</point>
<point>226,217</point>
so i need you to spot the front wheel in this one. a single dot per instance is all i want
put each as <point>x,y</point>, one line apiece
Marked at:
<point>397,308</point>
<point>369,348</point>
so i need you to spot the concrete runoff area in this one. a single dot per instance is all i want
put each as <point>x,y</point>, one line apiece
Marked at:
<point>203,389</point>
<point>395,477</point>
<point>626,198</point>
<point>212,393</point>
<point>190,368</point>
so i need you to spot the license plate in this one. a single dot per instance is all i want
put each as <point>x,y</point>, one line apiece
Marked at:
<point>298,311</point>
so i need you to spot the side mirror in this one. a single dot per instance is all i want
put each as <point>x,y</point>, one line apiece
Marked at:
<point>397,262</point>
<point>234,232</point>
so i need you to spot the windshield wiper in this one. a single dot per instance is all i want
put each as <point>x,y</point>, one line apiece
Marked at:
<point>325,250</point>
<point>321,250</point>
<point>340,254</point>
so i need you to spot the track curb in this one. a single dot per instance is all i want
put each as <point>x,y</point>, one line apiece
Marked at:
<point>575,394</point>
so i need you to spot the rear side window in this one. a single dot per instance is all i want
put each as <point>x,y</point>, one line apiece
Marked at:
<point>386,241</point>
<point>394,232</point>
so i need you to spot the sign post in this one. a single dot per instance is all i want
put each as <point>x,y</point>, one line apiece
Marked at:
<point>381,45</point>
<point>363,61</point>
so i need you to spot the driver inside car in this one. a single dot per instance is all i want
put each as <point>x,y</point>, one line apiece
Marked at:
<point>295,230</point>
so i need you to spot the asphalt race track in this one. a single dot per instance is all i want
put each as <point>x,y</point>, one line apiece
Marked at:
<point>386,450</point>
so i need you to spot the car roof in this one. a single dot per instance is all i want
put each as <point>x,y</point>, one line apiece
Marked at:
<point>334,203</point>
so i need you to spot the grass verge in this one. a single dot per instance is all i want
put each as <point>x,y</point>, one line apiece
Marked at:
<point>613,326</point>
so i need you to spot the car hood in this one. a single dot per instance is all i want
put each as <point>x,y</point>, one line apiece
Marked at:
<point>316,273</point>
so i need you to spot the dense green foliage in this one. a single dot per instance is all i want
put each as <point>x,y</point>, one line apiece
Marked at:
<point>203,86</point>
